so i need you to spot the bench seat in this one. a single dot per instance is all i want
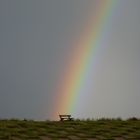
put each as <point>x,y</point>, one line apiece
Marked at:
<point>65,118</point>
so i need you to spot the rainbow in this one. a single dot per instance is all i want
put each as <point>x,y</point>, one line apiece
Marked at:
<point>84,50</point>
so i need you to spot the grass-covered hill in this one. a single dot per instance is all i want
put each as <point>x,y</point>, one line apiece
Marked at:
<point>103,129</point>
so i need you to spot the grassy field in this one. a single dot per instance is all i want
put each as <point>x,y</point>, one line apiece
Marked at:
<point>103,129</point>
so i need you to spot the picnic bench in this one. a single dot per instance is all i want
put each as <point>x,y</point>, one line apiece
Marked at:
<point>65,118</point>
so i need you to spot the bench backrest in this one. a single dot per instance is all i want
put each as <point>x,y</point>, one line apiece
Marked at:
<point>64,116</point>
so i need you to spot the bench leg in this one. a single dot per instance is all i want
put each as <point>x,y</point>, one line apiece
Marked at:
<point>61,119</point>
<point>71,119</point>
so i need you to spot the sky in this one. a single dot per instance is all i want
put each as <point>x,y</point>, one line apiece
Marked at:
<point>37,40</point>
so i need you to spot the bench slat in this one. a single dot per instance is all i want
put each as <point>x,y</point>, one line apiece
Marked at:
<point>65,115</point>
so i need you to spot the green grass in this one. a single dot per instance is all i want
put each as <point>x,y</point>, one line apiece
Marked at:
<point>102,129</point>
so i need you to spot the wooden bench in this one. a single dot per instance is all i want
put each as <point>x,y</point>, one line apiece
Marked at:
<point>65,118</point>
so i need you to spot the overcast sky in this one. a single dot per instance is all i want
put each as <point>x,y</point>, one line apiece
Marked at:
<point>36,38</point>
